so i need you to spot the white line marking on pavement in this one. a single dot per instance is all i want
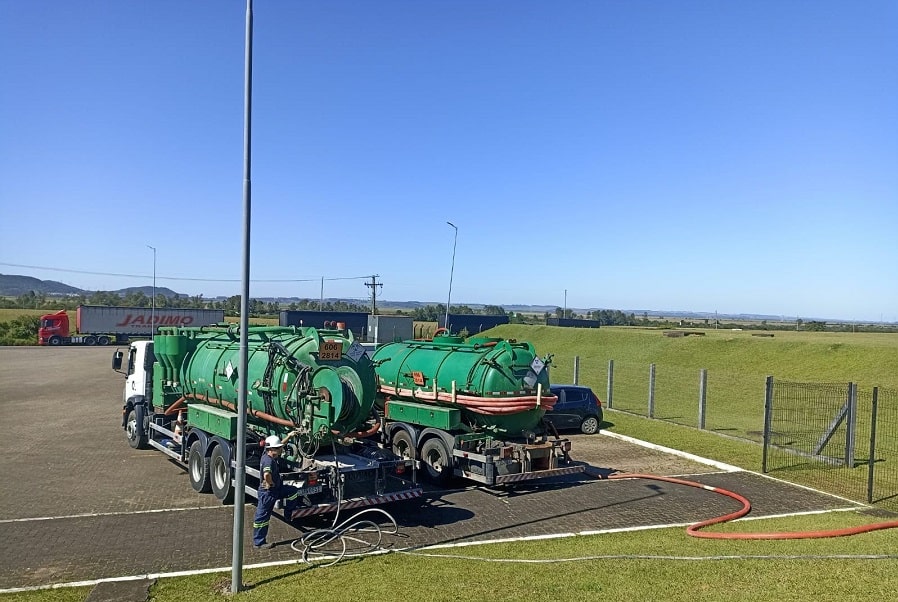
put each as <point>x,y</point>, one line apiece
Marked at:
<point>95,514</point>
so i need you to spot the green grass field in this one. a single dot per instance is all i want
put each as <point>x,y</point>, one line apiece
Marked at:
<point>737,365</point>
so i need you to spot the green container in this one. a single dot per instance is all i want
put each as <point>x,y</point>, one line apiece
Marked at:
<point>317,381</point>
<point>497,385</point>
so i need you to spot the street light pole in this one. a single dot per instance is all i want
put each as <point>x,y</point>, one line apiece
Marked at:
<point>153,311</point>
<point>451,272</point>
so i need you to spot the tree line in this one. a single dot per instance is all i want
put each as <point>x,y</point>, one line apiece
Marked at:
<point>230,305</point>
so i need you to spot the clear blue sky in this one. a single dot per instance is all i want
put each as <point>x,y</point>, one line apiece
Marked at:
<point>690,155</point>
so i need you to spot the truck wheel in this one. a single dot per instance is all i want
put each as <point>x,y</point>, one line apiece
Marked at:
<point>90,341</point>
<point>220,476</point>
<point>590,425</point>
<point>402,445</point>
<point>136,434</point>
<point>198,468</point>
<point>55,341</point>
<point>103,341</point>
<point>437,461</point>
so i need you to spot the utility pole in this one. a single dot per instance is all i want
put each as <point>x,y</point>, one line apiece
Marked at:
<point>373,286</point>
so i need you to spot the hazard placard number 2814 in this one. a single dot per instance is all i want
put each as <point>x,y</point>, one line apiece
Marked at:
<point>330,350</point>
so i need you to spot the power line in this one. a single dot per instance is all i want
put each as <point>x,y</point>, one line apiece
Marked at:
<point>183,279</point>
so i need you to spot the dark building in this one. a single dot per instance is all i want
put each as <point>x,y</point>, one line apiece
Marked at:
<point>356,321</point>
<point>472,323</point>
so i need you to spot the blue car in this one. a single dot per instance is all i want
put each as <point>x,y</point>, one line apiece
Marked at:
<point>577,408</point>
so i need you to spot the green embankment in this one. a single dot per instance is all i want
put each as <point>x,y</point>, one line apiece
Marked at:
<point>737,365</point>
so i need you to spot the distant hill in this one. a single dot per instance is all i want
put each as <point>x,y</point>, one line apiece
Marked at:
<point>13,286</point>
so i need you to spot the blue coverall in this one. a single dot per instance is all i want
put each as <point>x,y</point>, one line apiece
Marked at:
<point>267,498</point>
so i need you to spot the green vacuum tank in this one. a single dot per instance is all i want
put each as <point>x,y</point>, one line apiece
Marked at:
<point>500,385</point>
<point>319,382</point>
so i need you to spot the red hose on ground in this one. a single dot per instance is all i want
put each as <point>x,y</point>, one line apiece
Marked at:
<point>694,529</point>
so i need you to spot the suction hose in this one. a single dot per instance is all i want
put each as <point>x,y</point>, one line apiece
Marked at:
<point>695,529</point>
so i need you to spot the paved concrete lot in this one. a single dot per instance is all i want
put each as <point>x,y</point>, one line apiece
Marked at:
<point>77,503</point>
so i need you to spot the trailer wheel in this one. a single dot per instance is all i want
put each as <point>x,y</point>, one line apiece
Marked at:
<point>220,476</point>
<point>136,434</point>
<point>103,341</point>
<point>198,468</point>
<point>90,341</point>
<point>402,445</point>
<point>55,341</point>
<point>437,461</point>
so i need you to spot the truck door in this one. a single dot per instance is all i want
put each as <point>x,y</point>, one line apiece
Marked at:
<point>140,370</point>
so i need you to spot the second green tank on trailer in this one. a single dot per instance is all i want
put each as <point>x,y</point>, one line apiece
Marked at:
<point>499,385</point>
<point>470,408</point>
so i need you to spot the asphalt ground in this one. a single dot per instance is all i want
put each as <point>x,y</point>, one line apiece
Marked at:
<point>78,504</point>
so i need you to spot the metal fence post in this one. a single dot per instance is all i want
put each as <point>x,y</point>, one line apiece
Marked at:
<point>576,369</point>
<point>610,395</point>
<point>702,397</point>
<point>871,462</point>
<point>851,425</point>
<point>651,390</point>
<point>768,418</point>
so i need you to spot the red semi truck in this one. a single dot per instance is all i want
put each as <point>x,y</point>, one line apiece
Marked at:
<point>98,325</point>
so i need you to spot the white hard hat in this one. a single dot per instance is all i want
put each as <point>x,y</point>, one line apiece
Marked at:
<point>273,441</point>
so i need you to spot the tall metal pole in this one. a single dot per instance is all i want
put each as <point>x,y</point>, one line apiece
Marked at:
<point>153,311</point>
<point>240,468</point>
<point>564,310</point>
<point>451,272</point>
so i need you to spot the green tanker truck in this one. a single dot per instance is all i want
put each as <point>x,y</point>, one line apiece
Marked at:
<point>471,408</point>
<point>181,394</point>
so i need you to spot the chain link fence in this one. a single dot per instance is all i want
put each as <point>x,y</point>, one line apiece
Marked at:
<point>728,402</point>
<point>839,438</point>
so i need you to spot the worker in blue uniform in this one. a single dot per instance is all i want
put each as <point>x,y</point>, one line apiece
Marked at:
<point>271,489</point>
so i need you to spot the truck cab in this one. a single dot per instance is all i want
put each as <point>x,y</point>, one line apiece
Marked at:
<point>138,372</point>
<point>53,329</point>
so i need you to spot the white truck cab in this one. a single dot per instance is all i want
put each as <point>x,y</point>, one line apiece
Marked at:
<point>139,371</point>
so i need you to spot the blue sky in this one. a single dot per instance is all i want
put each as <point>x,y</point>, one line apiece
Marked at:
<point>739,157</point>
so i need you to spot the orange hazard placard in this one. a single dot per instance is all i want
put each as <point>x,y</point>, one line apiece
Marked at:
<point>418,378</point>
<point>330,350</point>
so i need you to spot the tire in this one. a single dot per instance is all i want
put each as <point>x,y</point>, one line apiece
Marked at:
<point>103,341</point>
<point>590,425</point>
<point>198,468</point>
<point>436,460</point>
<point>90,341</point>
<point>135,433</point>
<point>55,341</point>
<point>220,476</point>
<point>402,445</point>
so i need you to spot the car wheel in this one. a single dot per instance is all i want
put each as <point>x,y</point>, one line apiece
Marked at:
<point>590,425</point>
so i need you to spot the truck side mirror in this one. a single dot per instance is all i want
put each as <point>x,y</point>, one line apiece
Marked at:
<point>117,360</point>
